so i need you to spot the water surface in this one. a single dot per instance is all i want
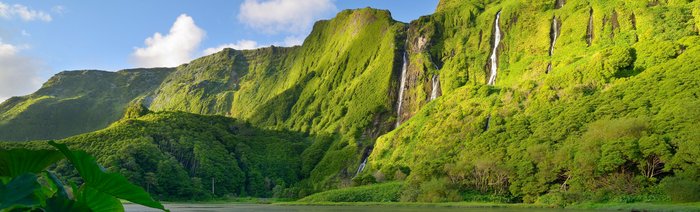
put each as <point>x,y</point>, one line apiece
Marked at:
<point>287,208</point>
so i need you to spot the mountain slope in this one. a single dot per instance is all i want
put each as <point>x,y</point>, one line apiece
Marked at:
<point>74,102</point>
<point>612,118</point>
<point>344,73</point>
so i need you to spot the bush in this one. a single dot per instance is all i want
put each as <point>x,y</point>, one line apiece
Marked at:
<point>681,189</point>
<point>386,192</point>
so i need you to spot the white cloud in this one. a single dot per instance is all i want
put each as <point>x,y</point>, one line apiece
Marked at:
<point>274,16</point>
<point>293,40</point>
<point>240,45</point>
<point>7,49</point>
<point>173,49</point>
<point>23,12</point>
<point>19,75</point>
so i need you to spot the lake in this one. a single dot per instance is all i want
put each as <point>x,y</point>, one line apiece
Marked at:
<point>287,208</point>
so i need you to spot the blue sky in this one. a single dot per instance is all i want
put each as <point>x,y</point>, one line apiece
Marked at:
<point>41,38</point>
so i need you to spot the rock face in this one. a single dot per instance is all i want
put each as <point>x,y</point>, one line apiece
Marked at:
<point>423,67</point>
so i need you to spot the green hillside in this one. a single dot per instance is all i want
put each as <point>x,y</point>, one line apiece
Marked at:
<point>593,101</point>
<point>177,155</point>
<point>611,121</point>
<point>74,102</point>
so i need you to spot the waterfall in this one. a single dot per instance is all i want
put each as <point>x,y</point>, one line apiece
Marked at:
<point>494,54</point>
<point>488,119</point>
<point>559,4</point>
<point>436,86</point>
<point>589,30</point>
<point>401,89</point>
<point>555,34</point>
<point>362,167</point>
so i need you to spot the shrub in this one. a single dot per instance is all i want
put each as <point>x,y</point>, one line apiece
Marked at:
<point>681,189</point>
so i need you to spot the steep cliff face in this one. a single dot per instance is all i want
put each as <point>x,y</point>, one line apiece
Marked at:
<point>74,102</point>
<point>538,133</point>
<point>423,72</point>
<point>343,77</point>
<point>456,42</point>
<point>208,85</point>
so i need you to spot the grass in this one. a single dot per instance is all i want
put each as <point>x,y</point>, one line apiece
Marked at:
<point>386,192</point>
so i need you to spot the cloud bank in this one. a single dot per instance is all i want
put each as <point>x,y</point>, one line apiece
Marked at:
<point>19,75</point>
<point>275,16</point>
<point>23,12</point>
<point>173,49</point>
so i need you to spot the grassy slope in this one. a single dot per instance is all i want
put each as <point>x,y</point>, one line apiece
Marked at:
<point>75,102</point>
<point>387,192</point>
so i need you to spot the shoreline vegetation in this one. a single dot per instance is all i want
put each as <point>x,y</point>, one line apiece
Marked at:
<point>639,206</point>
<point>387,194</point>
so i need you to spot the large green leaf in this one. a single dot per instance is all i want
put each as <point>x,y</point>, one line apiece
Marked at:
<point>56,185</point>
<point>110,183</point>
<point>19,161</point>
<point>98,201</point>
<point>19,192</point>
<point>58,203</point>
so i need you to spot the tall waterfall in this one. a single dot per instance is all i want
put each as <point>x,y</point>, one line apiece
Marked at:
<point>436,86</point>
<point>589,29</point>
<point>555,35</point>
<point>401,88</point>
<point>494,54</point>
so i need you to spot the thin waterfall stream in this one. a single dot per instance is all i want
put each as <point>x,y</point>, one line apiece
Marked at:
<point>401,89</point>
<point>362,167</point>
<point>494,54</point>
<point>555,35</point>
<point>436,86</point>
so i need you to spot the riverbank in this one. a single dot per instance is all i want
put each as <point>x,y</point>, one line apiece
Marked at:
<point>660,207</point>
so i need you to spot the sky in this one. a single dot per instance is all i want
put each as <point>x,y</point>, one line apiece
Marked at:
<point>41,38</point>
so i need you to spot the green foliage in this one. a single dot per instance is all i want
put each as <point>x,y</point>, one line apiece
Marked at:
<point>19,161</point>
<point>104,186</point>
<point>385,192</point>
<point>682,189</point>
<point>176,155</point>
<point>19,192</point>
<point>611,144</point>
<point>100,192</point>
